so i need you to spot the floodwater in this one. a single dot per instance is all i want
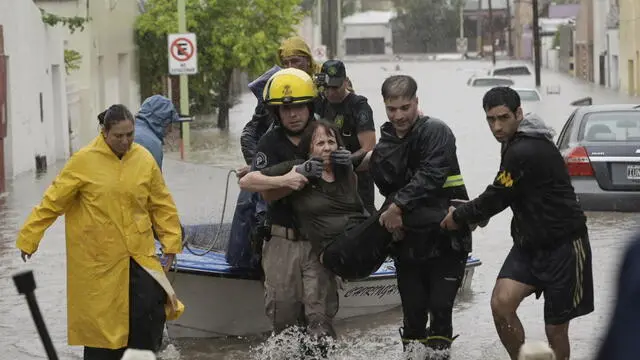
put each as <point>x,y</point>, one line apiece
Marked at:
<point>198,187</point>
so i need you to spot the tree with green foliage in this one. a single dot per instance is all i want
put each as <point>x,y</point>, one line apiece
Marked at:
<point>426,25</point>
<point>238,34</point>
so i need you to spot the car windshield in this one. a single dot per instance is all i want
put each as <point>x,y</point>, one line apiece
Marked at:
<point>528,95</point>
<point>619,126</point>
<point>492,82</point>
<point>512,70</point>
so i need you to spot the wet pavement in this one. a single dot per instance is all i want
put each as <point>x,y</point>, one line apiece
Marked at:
<point>198,187</point>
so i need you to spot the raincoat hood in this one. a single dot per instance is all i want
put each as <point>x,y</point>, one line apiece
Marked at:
<point>157,112</point>
<point>533,125</point>
<point>296,46</point>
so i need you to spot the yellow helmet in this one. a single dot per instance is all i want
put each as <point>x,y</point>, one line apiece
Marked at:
<point>289,86</point>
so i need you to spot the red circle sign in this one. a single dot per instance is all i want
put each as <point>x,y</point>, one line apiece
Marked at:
<point>182,49</point>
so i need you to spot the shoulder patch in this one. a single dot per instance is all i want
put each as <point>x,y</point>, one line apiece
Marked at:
<point>505,179</point>
<point>261,160</point>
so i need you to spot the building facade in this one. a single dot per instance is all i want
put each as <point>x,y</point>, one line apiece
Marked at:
<point>629,46</point>
<point>108,72</point>
<point>33,109</point>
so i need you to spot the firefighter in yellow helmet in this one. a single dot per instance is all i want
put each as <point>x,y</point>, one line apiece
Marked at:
<point>299,290</point>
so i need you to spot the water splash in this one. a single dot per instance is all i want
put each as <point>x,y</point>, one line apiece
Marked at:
<point>170,352</point>
<point>294,344</point>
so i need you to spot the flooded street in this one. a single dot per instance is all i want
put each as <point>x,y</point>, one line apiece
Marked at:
<point>198,188</point>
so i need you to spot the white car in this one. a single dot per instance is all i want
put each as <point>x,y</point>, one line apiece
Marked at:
<point>510,70</point>
<point>527,94</point>
<point>489,81</point>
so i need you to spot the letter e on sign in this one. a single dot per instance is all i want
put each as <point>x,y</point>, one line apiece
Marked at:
<point>183,54</point>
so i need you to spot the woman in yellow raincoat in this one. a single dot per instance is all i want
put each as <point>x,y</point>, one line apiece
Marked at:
<point>112,193</point>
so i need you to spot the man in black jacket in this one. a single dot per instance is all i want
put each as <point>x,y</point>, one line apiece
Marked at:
<point>415,166</point>
<point>354,118</point>
<point>551,252</point>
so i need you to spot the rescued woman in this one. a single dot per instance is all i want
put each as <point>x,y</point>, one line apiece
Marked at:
<point>111,193</point>
<point>329,211</point>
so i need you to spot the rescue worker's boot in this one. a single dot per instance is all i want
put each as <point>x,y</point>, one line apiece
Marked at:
<point>436,347</point>
<point>440,346</point>
<point>413,347</point>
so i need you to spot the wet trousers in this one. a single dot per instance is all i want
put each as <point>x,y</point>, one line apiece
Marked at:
<point>146,316</point>
<point>358,252</point>
<point>298,289</point>
<point>429,286</point>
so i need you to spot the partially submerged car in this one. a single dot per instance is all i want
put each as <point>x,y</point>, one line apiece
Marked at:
<point>601,147</point>
<point>510,70</point>
<point>528,94</point>
<point>489,81</point>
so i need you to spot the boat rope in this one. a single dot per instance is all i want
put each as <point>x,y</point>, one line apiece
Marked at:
<point>185,243</point>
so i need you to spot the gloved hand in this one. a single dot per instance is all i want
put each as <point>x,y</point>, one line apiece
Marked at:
<point>311,168</point>
<point>341,157</point>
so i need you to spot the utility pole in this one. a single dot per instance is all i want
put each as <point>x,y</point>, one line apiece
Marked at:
<point>493,40</point>
<point>332,28</point>
<point>184,84</point>
<point>536,41</point>
<point>509,30</point>
<point>479,21</point>
<point>461,19</point>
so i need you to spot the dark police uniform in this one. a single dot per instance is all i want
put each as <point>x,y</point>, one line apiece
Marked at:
<point>273,148</point>
<point>353,116</point>
<point>421,175</point>
<point>551,249</point>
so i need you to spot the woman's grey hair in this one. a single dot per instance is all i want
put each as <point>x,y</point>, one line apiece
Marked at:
<point>399,86</point>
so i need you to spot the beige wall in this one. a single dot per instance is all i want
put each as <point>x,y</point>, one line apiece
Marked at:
<point>523,15</point>
<point>629,46</point>
<point>108,71</point>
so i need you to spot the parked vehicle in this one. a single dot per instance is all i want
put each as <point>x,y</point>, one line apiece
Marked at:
<point>489,81</point>
<point>527,94</point>
<point>510,70</point>
<point>601,147</point>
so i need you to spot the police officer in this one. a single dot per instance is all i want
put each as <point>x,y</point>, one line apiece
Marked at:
<point>551,253</point>
<point>354,118</point>
<point>415,166</point>
<point>299,290</point>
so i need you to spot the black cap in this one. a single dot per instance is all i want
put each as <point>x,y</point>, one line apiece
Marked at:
<point>336,72</point>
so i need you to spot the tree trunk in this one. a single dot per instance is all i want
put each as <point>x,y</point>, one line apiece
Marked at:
<point>224,103</point>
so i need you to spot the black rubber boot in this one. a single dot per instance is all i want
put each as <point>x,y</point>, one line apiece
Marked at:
<point>409,351</point>
<point>440,346</point>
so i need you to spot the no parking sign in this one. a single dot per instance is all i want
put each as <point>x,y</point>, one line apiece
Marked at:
<point>183,54</point>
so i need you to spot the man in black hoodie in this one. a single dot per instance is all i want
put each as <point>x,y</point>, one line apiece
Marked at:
<point>551,252</point>
<point>415,166</point>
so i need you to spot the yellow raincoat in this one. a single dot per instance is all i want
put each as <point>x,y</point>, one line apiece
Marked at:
<point>110,205</point>
<point>296,46</point>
